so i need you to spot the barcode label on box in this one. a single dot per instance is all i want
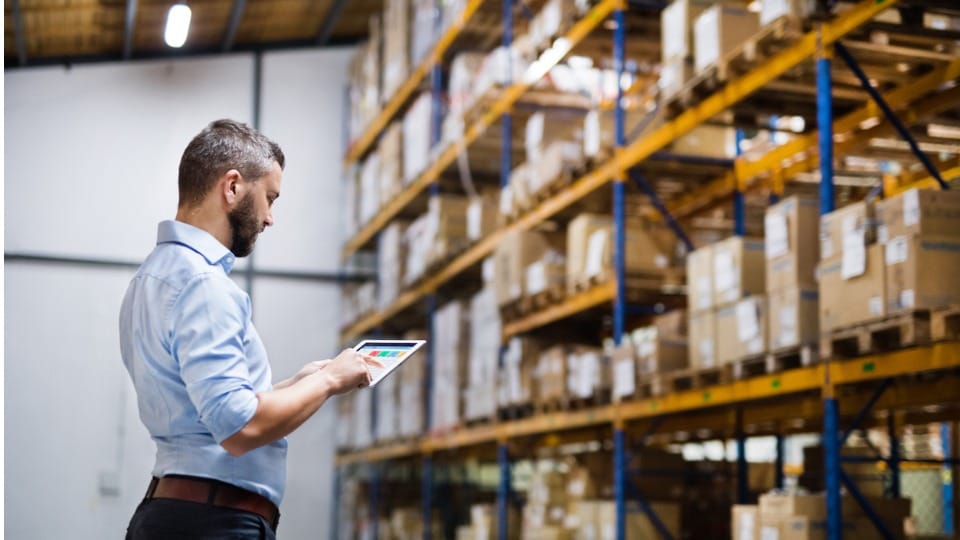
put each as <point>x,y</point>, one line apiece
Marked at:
<point>777,240</point>
<point>896,251</point>
<point>911,208</point>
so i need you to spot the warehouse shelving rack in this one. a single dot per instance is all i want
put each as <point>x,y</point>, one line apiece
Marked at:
<point>815,391</point>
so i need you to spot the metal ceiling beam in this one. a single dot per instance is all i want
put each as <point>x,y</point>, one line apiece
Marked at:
<point>18,32</point>
<point>236,14</point>
<point>330,22</point>
<point>131,17</point>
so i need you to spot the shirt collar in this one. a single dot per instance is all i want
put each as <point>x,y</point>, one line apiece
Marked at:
<point>197,239</point>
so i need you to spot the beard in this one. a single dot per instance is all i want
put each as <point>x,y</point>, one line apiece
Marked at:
<point>244,227</point>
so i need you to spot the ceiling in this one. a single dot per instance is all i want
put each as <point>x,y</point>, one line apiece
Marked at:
<point>39,32</point>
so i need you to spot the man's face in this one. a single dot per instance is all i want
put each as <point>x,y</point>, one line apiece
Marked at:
<point>254,212</point>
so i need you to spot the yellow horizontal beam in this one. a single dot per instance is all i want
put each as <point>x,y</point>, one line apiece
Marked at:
<point>363,143</point>
<point>500,106</point>
<point>601,294</point>
<point>941,356</point>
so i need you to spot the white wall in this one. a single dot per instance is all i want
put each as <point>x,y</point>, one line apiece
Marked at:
<point>91,160</point>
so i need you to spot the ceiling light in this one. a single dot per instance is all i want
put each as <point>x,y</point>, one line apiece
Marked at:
<point>754,7</point>
<point>869,123</point>
<point>178,25</point>
<point>941,131</point>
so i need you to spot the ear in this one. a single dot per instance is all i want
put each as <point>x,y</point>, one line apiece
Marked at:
<point>231,186</point>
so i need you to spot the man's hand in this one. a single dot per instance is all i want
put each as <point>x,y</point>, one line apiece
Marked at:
<point>308,369</point>
<point>349,370</point>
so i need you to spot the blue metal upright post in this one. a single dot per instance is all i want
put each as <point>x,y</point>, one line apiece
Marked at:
<point>426,488</point>
<point>503,491</point>
<point>619,260</point>
<point>743,477</point>
<point>778,474</point>
<point>894,462</point>
<point>948,479</point>
<point>831,450</point>
<point>825,127</point>
<point>739,201</point>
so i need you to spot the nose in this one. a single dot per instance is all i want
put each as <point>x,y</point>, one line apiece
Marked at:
<point>269,221</point>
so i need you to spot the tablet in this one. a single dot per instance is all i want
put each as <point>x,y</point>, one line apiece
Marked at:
<point>390,353</point>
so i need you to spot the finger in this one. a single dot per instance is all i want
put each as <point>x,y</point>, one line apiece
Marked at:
<point>375,363</point>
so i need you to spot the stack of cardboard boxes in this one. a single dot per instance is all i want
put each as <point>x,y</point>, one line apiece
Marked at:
<point>364,88</point>
<point>649,350</point>
<point>436,234</point>
<point>412,376</point>
<point>391,161</point>
<point>451,348</point>
<point>391,261</point>
<point>370,202</point>
<point>480,391</point>
<point>676,44</point>
<point>728,318</point>
<point>513,257</point>
<point>517,375</point>
<point>416,138</point>
<point>396,46</point>
<point>781,516</point>
<point>792,251</point>
<point>718,31</point>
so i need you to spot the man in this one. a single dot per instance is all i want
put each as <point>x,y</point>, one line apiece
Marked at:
<point>200,370</point>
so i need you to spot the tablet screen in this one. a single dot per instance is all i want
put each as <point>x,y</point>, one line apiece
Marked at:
<point>389,353</point>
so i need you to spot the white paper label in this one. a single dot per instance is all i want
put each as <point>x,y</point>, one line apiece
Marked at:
<point>624,378</point>
<point>769,533</point>
<point>536,277</point>
<point>706,353</point>
<point>907,298</point>
<point>826,246</point>
<point>474,217</point>
<point>854,261</point>
<point>911,208</point>
<point>896,251</point>
<point>746,526</point>
<point>595,248</point>
<point>704,294</point>
<point>723,272</point>
<point>506,200</point>
<point>876,305</point>
<point>646,348</point>
<point>748,327</point>
<point>777,236</point>
<point>883,234</point>
<point>788,326</point>
<point>755,346</point>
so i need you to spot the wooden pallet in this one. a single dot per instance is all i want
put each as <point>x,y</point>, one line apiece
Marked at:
<point>768,41</point>
<point>554,294</point>
<point>774,362</point>
<point>515,412</point>
<point>680,381</point>
<point>945,324</point>
<point>877,335</point>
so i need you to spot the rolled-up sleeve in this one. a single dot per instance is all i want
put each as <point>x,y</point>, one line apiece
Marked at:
<point>208,324</point>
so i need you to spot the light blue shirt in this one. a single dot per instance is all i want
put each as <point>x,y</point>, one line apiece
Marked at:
<point>197,362</point>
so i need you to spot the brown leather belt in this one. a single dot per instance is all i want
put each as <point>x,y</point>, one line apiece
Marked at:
<point>215,493</point>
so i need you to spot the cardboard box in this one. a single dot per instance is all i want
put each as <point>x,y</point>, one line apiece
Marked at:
<point>860,297</point>
<point>396,45</point>
<point>746,522</point>
<point>742,329</point>
<point>657,352</point>
<point>519,367</point>
<point>738,269</point>
<point>794,318</point>
<point>649,249</point>
<point>587,372</point>
<point>771,10</point>
<point>451,347</point>
<point>719,30</point>
<point>391,161</point>
<point>674,74</point>
<point>676,28</point>
<point>624,365</point>
<point>926,212</point>
<point>416,138</point>
<point>514,254</point>
<point>703,340</point>
<point>792,243</point>
<point>700,279</point>
<point>783,504</point>
<point>906,257</point>
<point>708,141</point>
<point>543,129</point>
<point>391,263</point>
<point>598,129</point>
<point>847,227</point>
<point>559,159</point>
<point>638,525</point>
<point>546,273</point>
<point>482,215</point>
<point>552,374</point>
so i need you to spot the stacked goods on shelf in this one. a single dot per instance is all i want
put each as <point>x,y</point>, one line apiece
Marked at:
<point>647,351</point>
<point>391,260</point>
<point>649,250</point>
<point>676,44</point>
<point>482,217</point>
<point>345,421</point>
<point>599,137</point>
<point>484,524</point>
<point>771,10</point>
<point>718,31</point>
<point>412,375</point>
<point>920,229</point>
<point>416,138</point>
<point>551,377</point>
<point>728,310</point>
<point>803,517</point>
<point>362,419</point>
<point>357,300</point>
<point>517,251</point>
<point>436,235</point>
<point>851,271</point>
<point>460,94</point>
<point>792,250</point>
<point>451,348</point>
<point>423,32</point>
<point>407,524</point>
<point>518,374</point>
<point>551,148</point>
<point>870,480</point>
<point>707,141</point>
<point>386,395</point>
<point>480,388</point>
<point>546,506</point>
<point>554,20</point>
<point>396,45</point>
<point>364,87</point>
<point>390,149</point>
<point>370,202</point>
<point>588,374</point>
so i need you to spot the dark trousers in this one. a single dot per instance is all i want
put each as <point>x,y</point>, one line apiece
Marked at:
<point>162,519</point>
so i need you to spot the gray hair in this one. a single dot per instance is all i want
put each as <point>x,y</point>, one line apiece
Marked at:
<point>221,146</point>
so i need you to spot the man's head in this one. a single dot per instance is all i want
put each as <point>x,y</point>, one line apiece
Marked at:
<point>231,168</point>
